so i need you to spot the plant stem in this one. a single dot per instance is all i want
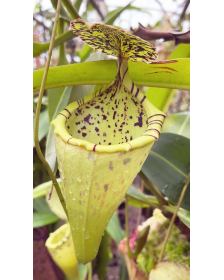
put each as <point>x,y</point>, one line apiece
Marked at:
<point>71,9</point>
<point>150,186</point>
<point>36,126</point>
<point>90,271</point>
<point>43,47</point>
<point>140,209</point>
<point>55,171</point>
<point>173,218</point>
<point>130,254</point>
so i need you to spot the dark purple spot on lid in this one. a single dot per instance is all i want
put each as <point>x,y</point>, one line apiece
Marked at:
<point>96,129</point>
<point>104,117</point>
<point>97,107</point>
<point>68,126</point>
<point>84,134</point>
<point>109,143</point>
<point>83,127</point>
<point>109,126</point>
<point>78,131</point>
<point>104,134</point>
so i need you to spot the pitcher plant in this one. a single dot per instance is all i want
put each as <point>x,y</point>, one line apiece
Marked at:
<point>103,139</point>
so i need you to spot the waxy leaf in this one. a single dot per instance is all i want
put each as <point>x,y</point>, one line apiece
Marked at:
<point>161,97</point>
<point>136,198</point>
<point>114,229</point>
<point>41,190</point>
<point>103,72</point>
<point>184,215</point>
<point>168,166</point>
<point>178,124</point>
<point>50,153</point>
<point>39,48</point>
<point>43,219</point>
<point>40,205</point>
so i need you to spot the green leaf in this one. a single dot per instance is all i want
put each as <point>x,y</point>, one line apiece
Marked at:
<point>117,234</point>
<point>85,52</point>
<point>178,123</point>
<point>114,229</point>
<point>43,219</point>
<point>168,166</point>
<point>71,9</point>
<point>103,257</point>
<point>136,198</point>
<point>54,95</point>
<point>39,48</point>
<point>78,4</point>
<point>161,97</point>
<point>79,92</point>
<point>184,215</point>
<point>181,51</point>
<point>63,13</point>
<point>103,72</point>
<point>50,154</point>
<point>40,205</point>
<point>83,270</point>
<point>43,125</point>
<point>41,190</point>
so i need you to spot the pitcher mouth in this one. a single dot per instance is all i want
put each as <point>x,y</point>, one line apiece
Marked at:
<point>154,121</point>
<point>59,237</point>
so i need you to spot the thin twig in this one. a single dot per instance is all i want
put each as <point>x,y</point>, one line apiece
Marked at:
<point>71,9</point>
<point>127,228</point>
<point>36,126</point>
<point>95,5</point>
<point>161,6</point>
<point>184,10</point>
<point>40,22</point>
<point>173,218</point>
<point>171,35</point>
